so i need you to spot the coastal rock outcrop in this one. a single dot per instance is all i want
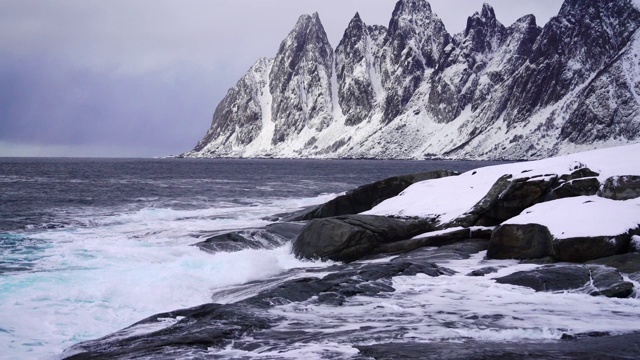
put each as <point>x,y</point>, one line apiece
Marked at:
<point>572,229</point>
<point>246,323</point>
<point>365,197</point>
<point>351,237</point>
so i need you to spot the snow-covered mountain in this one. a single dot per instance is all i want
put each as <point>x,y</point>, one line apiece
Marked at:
<point>412,90</point>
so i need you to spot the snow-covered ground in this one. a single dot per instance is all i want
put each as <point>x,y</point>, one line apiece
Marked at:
<point>449,198</point>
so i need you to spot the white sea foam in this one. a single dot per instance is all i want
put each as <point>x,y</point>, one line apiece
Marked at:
<point>461,307</point>
<point>90,281</point>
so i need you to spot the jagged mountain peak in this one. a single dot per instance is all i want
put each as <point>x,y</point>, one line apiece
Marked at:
<point>410,14</point>
<point>299,81</point>
<point>527,20</point>
<point>487,12</point>
<point>413,91</point>
<point>483,33</point>
<point>404,7</point>
<point>571,8</point>
<point>308,22</point>
<point>355,23</point>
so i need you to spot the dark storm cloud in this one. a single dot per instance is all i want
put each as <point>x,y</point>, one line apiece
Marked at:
<point>143,77</point>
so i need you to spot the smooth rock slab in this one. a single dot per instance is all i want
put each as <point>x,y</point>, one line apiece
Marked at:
<point>189,330</point>
<point>606,347</point>
<point>435,238</point>
<point>594,280</point>
<point>270,236</point>
<point>456,251</point>
<point>335,288</point>
<point>352,237</point>
<point>190,333</point>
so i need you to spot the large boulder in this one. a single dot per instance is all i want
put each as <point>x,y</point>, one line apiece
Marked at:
<point>367,196</point>
<point>534,241</point>
<point>572,229</point>
<point>584,248</point>
<point>594,280</point>
<point>621,187</point>
<point>349,238</point>
<point>520,241</point>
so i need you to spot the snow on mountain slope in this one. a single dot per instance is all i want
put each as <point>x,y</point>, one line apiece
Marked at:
<point>411,90</point>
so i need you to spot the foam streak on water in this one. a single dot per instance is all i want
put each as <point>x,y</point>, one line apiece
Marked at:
<point>89,281</point>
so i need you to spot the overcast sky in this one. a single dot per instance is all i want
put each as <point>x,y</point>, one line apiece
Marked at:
<point>143,77</point>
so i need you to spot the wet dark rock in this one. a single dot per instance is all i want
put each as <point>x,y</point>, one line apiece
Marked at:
<point>606,347</point>
<point>609,283</point>
<point>188,332</point>
<point>552,278</point>
<point>594,280</point>
<point>625,263</point>
<point>367,196</point>
<point>438,238</point>
<point>530,241</point>
<point>581,249</point>
<point>484,271</point>
<point>456,251</point>
<point>289,216</point>
<point>515,241</point>
<point>351,237</point>
<point>195,329</point>
<point>270,236</point>
<point>621,187</point>
<point>335,288</point>
<point>540,261</point>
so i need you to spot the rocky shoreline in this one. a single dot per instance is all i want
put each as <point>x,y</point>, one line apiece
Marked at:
<point>574,219</point>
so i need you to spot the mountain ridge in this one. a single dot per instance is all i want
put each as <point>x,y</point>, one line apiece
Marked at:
<point>413,91</point>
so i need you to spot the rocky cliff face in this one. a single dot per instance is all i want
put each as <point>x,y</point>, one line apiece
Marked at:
<point>412,90</point>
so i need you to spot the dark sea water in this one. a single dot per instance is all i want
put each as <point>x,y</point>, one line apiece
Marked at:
<point>88,246</point>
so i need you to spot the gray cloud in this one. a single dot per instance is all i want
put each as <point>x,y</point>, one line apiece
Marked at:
<point>146,75</point>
